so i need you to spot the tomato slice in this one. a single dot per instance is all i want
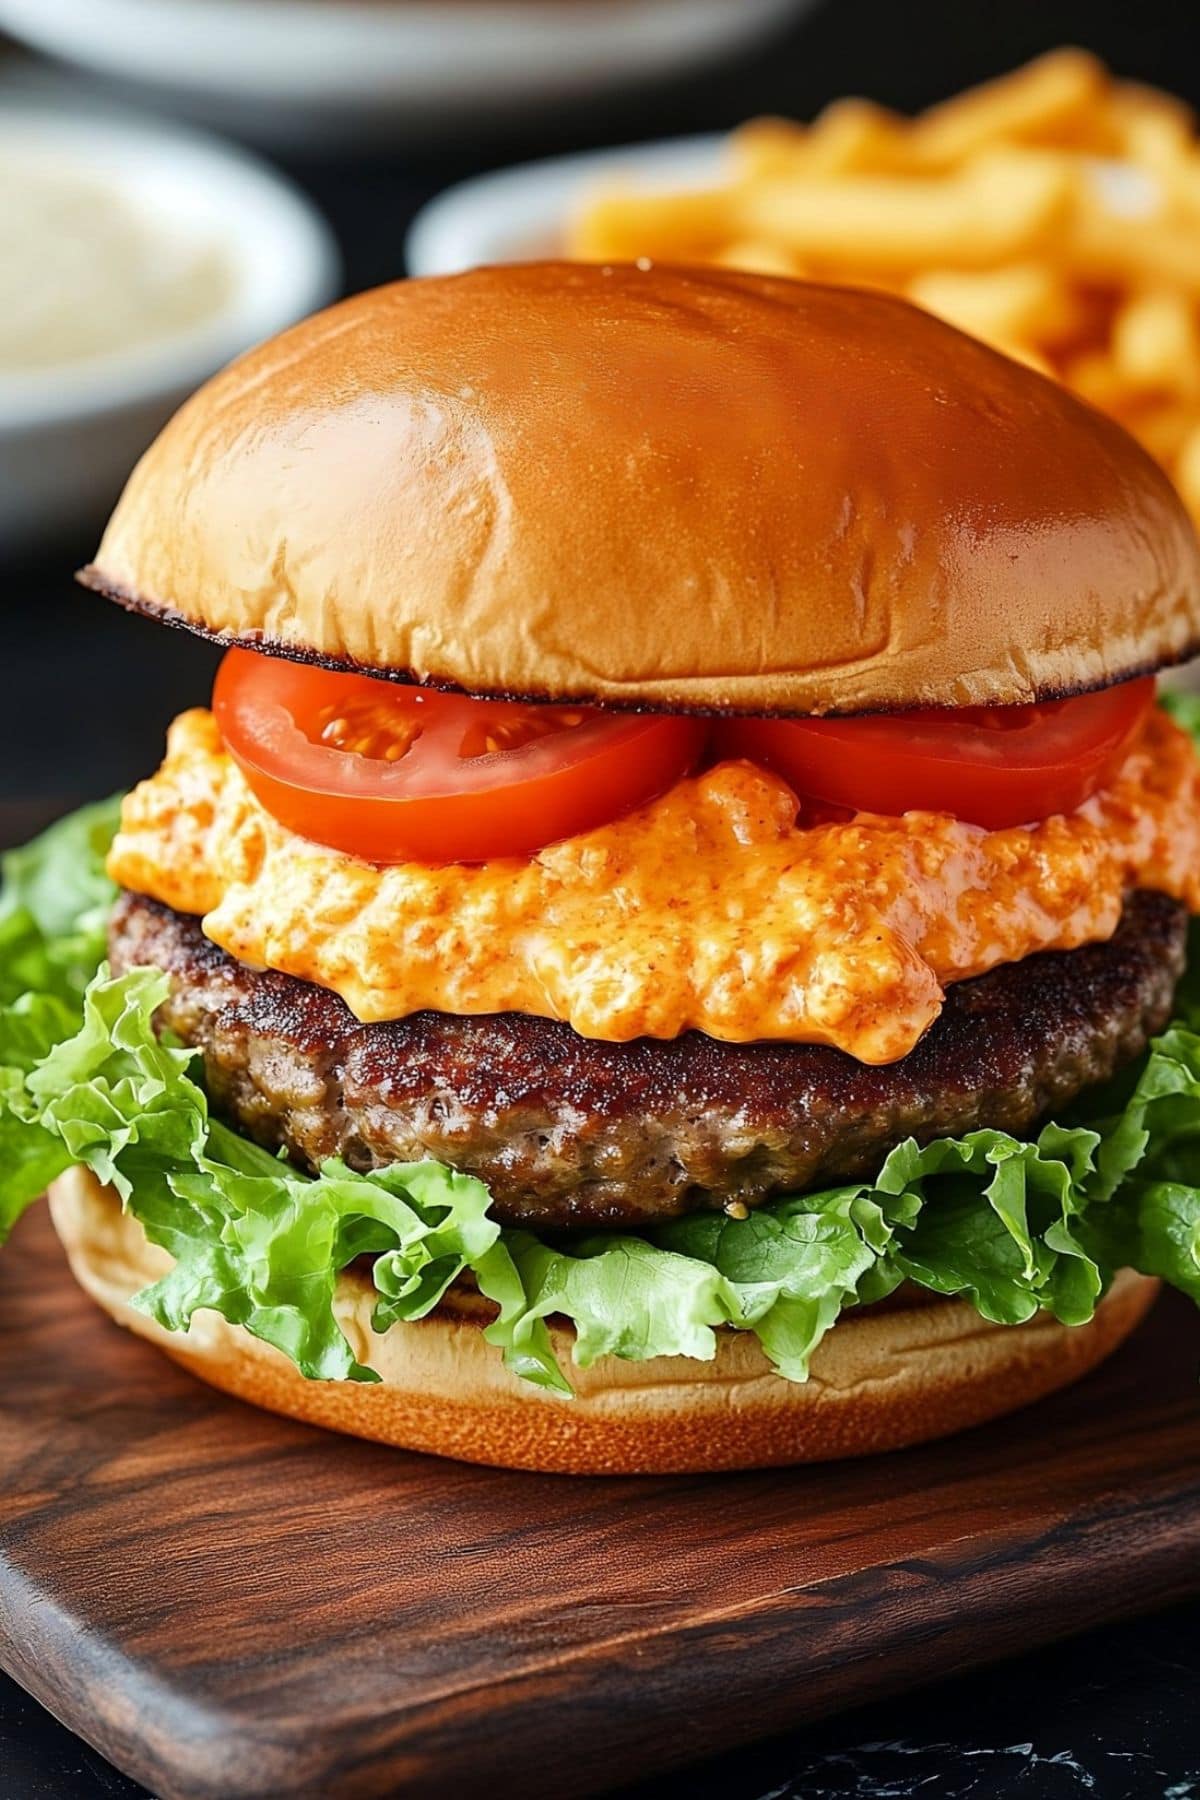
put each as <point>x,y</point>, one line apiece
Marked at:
<point>990,765</point>
<point>399,774</point>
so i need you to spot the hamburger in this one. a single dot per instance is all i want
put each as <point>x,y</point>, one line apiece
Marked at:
<point>667,950</point>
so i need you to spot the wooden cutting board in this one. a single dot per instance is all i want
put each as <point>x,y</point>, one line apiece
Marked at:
<point>229,1605</point>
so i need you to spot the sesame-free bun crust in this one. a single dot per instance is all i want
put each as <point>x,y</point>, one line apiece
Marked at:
<point>658,487</point>
<point>881,1379</point>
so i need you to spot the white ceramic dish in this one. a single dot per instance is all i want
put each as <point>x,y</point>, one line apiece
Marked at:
<point>69,433</point>
<point>515,215</point>
<point>313,68</point>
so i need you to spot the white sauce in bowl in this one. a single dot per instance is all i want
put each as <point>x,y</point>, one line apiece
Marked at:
<point>135,259</point>
<point>85,273</point>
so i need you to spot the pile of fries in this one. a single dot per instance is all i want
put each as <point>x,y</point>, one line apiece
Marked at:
<point>1054,213</point>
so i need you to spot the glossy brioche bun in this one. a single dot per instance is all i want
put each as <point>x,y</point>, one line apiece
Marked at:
<point>881,1379</point>
<point>658,486</point>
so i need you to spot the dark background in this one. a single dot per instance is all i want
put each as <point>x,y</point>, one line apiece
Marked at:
<point>87,694</point>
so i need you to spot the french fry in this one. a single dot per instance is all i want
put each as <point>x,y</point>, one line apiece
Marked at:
<point>1155,344</point>
<point>849,136</point>
<point>1045,97</point>
<point>1153,129</point>
<point>1026,301</point>
<point>1159,134</point>
<point>1100,246</point>
<point>760,257</point>
<point>1095,378</point>
<point>1163,429</point>
<point>1181,185</point>
<point>854,136</point>
<point>997,208</point>
<point>621,225</point>
<point>766,147</point>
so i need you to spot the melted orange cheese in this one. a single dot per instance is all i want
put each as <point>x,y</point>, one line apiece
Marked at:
<point>709,908</point>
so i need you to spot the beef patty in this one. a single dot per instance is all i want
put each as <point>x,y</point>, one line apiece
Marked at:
<point>567,1131</point>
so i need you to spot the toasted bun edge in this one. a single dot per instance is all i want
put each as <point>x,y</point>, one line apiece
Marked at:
<point>672,488</point>
<point>881,1379</point>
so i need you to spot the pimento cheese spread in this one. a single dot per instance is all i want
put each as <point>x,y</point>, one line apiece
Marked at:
<point>709,909</point>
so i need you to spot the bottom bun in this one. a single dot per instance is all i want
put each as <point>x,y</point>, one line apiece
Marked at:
<point>885,1377</point>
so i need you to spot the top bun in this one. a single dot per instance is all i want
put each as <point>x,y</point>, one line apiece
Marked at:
<point>663,487</point>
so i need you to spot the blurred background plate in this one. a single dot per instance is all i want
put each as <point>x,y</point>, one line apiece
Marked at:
<point>512,215</point>
<point>193,249</point>
<point>312,69</point>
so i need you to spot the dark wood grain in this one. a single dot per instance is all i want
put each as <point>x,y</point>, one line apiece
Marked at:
<point>232,1606</point>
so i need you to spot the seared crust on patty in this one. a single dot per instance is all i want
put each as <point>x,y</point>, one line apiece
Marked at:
<point>568,1131</point>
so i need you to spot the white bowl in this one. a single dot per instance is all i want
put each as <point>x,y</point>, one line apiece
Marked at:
<point>519,214</point>
<point>69,433</point>
<point>319,67</point>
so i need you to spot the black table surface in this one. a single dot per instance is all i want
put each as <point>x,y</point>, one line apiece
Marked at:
<point>87,693</point>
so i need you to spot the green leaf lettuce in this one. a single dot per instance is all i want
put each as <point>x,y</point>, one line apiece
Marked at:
<point>1014,1227</point>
